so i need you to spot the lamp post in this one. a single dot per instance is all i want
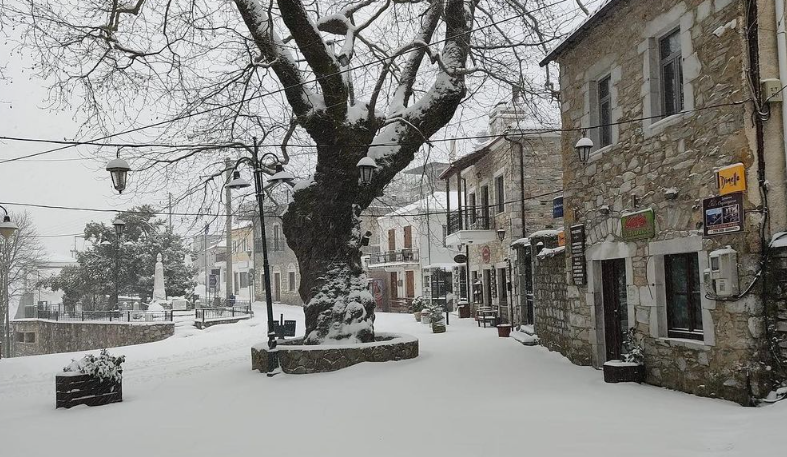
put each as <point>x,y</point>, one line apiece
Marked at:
<point>119,224</point>
<point>7,230</point>
<point>256,162</point>
<point>118,169</point>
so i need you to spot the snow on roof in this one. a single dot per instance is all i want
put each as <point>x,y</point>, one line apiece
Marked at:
<point>521,242</point>
<point>435,202</point>
<point>550,252</point>
<point>578,33</point>
<point>544,233</point>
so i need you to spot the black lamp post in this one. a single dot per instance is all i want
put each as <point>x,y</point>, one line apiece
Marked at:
<point>256,163</point>
<point>119,225</point>
<point>7,230</point>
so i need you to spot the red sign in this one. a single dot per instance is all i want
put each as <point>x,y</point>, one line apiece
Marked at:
<point>486,254</point>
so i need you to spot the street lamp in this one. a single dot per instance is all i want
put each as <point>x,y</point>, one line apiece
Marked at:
<point>366,166</point>
<point>119,224</point>
<point>501,234</point>
<point>118,170</point>
<point>7,229</point>
<point>583,147</point>
<point>257,164</point>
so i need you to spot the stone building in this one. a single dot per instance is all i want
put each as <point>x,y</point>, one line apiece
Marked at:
<point>665,219</point>
<point>507,186</point>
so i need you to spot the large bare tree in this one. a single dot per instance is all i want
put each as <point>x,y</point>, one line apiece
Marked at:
<point>357,78</point>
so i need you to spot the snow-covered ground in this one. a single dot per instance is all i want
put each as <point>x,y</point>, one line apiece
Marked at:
<point>469,393</point>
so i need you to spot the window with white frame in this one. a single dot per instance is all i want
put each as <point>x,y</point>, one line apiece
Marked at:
<point>671,74</point>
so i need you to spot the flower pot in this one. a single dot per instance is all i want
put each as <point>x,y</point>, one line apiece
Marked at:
<point>464,312</point>
<point>426,318</point>
<point>617,371</point>
<point>417,315</point>
<point>504,330</point>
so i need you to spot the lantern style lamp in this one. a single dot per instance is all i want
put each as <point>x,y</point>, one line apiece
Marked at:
<point>501,234</point>
<point>237,182</point>
<point>366,166</point>
<point>7,228</point>
<point>281,176</point>
<point>118,169</point>
<point>583,147</point>
<point>119,225</point>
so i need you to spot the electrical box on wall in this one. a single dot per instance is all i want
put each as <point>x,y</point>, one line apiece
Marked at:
<point>772,90</point>
<point>724,271</point>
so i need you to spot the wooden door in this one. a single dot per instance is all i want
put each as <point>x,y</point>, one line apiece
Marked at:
<point>487,278</point>
<point>409,284</point>
<point>613,274</point>
<point>394,286</point>
<point>484,208</point>
<point>392,239</point>
<point>408,237</point>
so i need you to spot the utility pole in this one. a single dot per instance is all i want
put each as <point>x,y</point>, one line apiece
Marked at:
<point>170,213</point>
<point>205,249</point>
<point>228,223</point>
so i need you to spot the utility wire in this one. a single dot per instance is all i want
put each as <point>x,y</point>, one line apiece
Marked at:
<point>276,91</point>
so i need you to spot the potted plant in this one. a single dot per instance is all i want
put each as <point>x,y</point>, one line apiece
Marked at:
<point>416,307</point>
<point>91,381</point>
<point>437,317</point>
<point>503,330</point>
<point>632,367</point>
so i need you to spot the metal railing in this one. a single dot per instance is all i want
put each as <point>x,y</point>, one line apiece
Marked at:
<point>473,218</point>
<point>106,316</point>
<point>401,256</point>
<point>203,314</point>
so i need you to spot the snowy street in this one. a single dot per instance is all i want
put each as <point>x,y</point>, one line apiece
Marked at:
<point>469,393</point>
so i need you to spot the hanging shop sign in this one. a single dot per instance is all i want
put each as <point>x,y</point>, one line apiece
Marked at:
<point>557,207</point>
<point>731,178</point>
<point>578,254</point>
<point>486,254</point>
<point>638,226</point>
<point>561,238</point>
<point>723,214</point>
<point>460,258</point>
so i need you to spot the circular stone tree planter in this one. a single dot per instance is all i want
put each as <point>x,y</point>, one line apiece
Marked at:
<point>297,358</point>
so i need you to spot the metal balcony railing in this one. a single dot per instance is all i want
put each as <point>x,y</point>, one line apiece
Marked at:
<point>400,256</point>
<point>473,218</point>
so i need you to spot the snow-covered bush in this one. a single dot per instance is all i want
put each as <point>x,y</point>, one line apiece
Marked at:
<point>417,305</point>
<point>436,311</point>
<point>106,367</point>
<point>634,352</point>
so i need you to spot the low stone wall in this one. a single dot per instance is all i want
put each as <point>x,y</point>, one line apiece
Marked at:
<point>296,358</point>
<point>554,317</point>
<point>53,337</point>
<point>210,323</point>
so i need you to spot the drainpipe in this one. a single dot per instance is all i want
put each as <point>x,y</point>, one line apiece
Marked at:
<point>781,50</point>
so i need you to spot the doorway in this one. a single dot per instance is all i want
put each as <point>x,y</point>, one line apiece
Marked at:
<point>526,286</point>
<point>487,287</point>
<point>409,284</point>
<point>613,277</point>
<point>276,286</point>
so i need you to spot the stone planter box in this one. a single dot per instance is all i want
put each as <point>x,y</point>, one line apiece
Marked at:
<point>81,389</point>
<point>297,358</point>
<point>438,327</point>
<point>616,371</point>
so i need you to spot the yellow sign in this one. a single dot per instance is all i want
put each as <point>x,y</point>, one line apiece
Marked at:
<point>731,178</point>
<point>561,238</point>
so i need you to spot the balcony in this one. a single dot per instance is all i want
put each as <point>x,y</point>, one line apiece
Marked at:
<point>402,256</point>
<point>471,226</point>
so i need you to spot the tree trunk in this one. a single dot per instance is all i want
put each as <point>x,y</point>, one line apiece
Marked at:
<point>322,226</point>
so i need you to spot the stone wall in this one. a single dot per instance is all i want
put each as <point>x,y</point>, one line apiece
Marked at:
<point>555,319</point>
<point>299,359</point>
<point>666,165</point>
<point>201,325</point>
<point>53,337</point>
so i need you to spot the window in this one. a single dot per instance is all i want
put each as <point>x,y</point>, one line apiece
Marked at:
<point>500,194</point>
<point>684,310</point>
<point>244,280</point>
<point>604,112</point>
<point>471,207</point>
<point>237,281</point>
<point>408,237</point>
<point>19,337</point>
<point>276,236</point>
<point>462,272</point>
<point>30,337</point>
<point>392,239</point>
<point>291,281</point>
<point>671,73</point>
